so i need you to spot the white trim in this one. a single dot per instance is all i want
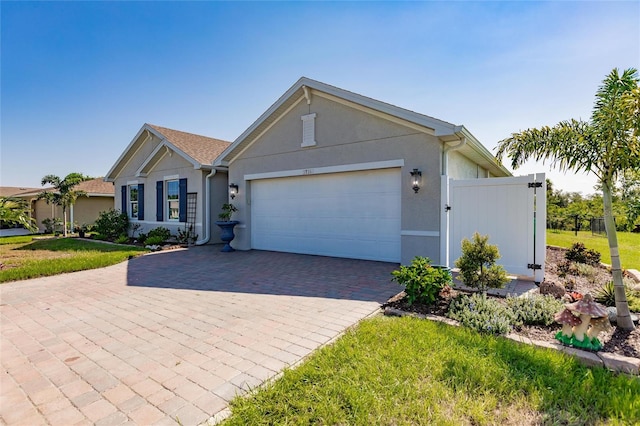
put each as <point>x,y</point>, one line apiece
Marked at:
<point>420,233</point>
<point>165,222</point>
<point>381,114</point>
<point>329,169</point>
<point>172,177</point>
<point>132,182</point>
<point>308,130</point>
<point>219,162</point>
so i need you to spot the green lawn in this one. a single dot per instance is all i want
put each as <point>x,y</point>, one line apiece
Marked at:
<point>629,245</point>
<point>23,257</point>
<point>405,371</point>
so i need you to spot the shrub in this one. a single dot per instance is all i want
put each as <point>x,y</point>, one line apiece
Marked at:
<point>580,254</point>
<point>154,241</point>
<point>477,264</point>
<point>607,295</point>
<point>480,313</point>
<point>142,237</point>
<point>422,281</point>
<point>187,236</point>
<point>534,310</point>
<point>52,225</point>
<point>122,239</point>
<point>160,232</point>
<point>112,223</point>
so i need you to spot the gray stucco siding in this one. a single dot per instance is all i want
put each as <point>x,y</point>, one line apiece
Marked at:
<point>347,136</point>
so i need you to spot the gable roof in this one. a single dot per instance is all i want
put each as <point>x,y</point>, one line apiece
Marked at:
<point>93,187</point>
<point>15,191</point>
<point>197,149</point>
<point>307,88</point>
<point>96,187</point>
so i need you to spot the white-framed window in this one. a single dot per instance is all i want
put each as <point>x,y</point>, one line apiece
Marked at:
<point>133,201</point>
<point>173,199</point>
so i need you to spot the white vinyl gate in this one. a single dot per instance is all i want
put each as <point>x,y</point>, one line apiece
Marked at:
<point>505,209</point>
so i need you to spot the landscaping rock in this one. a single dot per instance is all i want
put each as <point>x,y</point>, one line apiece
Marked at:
<point>617,362</point>
<point>549,287</point>
<point>613,315</point>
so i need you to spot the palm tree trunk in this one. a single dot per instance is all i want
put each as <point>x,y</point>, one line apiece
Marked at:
<point>64,221</point>
<point>623,314</point>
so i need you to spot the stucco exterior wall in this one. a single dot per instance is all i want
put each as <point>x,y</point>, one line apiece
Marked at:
<point>87,209</point>
<point>40,210</point>
<point>460,167</point>
<point>175,167</point>
<point>219,194</point>
<point>347,135</point>
<point>140,155</point>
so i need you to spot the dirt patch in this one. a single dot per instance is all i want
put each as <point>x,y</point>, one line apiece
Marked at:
<point>616,340</point>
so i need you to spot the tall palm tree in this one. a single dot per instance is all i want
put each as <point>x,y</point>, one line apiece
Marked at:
<point>607,146</point>
<point>15,211</point>
<point>62,193</point>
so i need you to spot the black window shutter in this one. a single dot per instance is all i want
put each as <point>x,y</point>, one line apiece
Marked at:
<point>124,197</point>
<point>141,201</point>
<point>159,201</point>
<point>182,214</point>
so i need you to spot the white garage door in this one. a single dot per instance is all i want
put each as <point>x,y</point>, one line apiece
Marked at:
<point>354,214</point>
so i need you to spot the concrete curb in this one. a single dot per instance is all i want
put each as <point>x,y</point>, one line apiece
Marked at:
<point>613,362</point>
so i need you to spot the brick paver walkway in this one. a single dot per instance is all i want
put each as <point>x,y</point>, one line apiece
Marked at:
<point>171,336</point>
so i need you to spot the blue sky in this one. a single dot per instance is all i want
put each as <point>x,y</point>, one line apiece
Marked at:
<point>79,79</point>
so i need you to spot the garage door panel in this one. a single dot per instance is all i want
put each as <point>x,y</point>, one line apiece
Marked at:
<point>355,215</point>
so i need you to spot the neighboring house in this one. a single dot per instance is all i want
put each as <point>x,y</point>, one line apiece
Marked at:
<point>166,178</point>
<point>323,171</point>
<point>84,211</point>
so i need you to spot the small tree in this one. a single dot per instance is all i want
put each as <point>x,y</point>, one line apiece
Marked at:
<point>63,194</point>
<point>15,211</point>
<point>477,264</point>
<point>608,146</point>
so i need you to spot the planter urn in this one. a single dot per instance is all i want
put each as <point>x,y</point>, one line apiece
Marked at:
<point>227,234</point>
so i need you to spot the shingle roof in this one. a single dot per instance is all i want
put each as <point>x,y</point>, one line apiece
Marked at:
<point>10,191</point>
<point>96,186</point>
<point>201,148</point>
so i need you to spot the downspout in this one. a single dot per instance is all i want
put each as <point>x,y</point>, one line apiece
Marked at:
<point>207,210</point>
<point>447,148</point>
<point>444,221</point>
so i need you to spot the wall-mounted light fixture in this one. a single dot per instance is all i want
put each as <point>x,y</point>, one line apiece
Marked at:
<point>233,190</point>
<point>416,176</point>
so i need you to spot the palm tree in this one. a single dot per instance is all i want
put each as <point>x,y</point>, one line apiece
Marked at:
<point>63,194</point>
<point>607,146</point>
<point>15,211</point>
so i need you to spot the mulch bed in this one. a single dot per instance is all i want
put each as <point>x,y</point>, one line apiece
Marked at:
<point>616,340</point>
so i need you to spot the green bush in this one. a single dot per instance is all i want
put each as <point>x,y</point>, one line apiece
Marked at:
<point>52,226</point>
<point>534,310</point>
<point>142,237</point>
<point>154,240</point>
<point>483,314</point>
<point>122,239</point>
<point>160,232</point>
<point>112,224</point>
<point>607,296</point>
<point>422,281</point>
<point>580,254</point>
<point>477,264</point>
<point>186,236</point>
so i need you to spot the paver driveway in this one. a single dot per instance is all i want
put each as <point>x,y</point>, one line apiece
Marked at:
<point>173,335</point>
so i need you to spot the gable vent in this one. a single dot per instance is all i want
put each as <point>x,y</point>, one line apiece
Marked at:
<point>308,130</point>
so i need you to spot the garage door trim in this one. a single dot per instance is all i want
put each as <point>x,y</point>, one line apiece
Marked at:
<point>328,169</point>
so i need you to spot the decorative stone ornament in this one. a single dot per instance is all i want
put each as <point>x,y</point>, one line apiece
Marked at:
<point>593,319</point>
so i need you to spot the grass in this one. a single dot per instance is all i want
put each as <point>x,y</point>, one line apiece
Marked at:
<point>23,257</point>
<point>628,242</point>
<point>401,371</point>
